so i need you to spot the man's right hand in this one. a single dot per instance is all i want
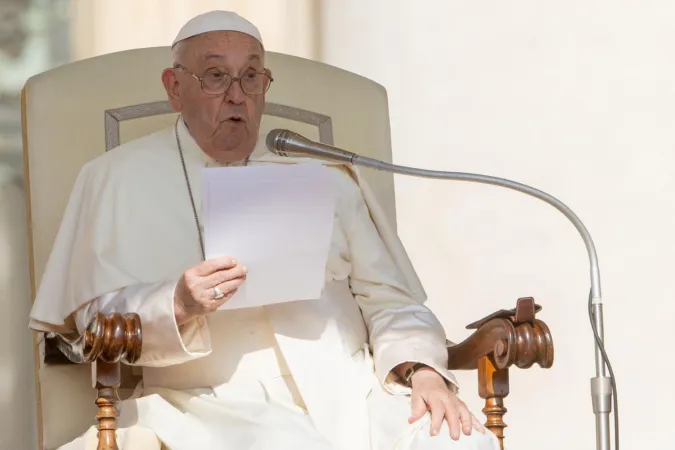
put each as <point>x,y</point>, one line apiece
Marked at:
<point>195,295</point>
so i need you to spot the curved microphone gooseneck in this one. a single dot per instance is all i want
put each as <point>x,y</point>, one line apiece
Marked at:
<point>289,144</point>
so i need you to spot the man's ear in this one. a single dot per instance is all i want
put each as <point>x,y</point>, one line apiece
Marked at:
<point>170,82</point>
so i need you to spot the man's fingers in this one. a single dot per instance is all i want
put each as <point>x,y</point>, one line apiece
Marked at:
<point>465,417</point>
<point>215,303</point>
<point>452,417</point>
<point>221,301</point>
<point>221,276</point>
<point>477,425</point>
<point>437,415</point>
<point>206,268</point>
<point>228,288</point>
<point>417,407</point>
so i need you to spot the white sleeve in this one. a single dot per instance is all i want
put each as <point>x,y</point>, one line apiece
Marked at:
<point>165,343</point>
<point>400,329</point>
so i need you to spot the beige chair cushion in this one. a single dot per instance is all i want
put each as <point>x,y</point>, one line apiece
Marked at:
<point>74,112</point>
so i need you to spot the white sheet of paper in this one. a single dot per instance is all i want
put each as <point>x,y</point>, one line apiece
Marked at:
<point>277,220</point>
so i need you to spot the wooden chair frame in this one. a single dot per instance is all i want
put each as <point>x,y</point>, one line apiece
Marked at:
<point>501,340</point>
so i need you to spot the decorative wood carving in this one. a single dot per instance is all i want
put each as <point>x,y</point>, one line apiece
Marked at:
<point>112,339</point>
<point>501,340</point>
<point>106,343</point>
<point>493,387</point>
<point>107,383</point>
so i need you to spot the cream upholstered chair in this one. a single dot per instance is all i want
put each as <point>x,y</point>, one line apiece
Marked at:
<point>78,111</point>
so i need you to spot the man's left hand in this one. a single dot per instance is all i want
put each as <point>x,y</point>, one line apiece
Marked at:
<point>431,393</point>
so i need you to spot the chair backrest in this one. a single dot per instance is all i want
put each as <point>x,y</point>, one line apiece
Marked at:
<point>78,111</point>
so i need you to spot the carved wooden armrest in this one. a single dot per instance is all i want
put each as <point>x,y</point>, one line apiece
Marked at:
<point>502,339</point>
<point>106,343</point>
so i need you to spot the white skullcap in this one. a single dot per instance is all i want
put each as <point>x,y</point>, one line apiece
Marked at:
<point>217,21</point>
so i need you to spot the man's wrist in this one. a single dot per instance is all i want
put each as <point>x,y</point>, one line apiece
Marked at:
<point>179,312</point>
<point>429,374</point>
<point>409,370</point>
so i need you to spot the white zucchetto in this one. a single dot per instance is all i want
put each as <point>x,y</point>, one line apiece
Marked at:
<point>217,21</point>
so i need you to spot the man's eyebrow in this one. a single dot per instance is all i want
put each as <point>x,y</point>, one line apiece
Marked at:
<point>221,56</point>
<point>214,56</point>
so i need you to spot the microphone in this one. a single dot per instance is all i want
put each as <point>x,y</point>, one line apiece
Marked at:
<point>288,144</point>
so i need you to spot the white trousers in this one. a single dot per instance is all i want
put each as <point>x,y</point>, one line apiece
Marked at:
<point>262,415</point>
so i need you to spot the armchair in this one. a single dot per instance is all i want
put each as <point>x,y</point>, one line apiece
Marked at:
<point>75,112</point>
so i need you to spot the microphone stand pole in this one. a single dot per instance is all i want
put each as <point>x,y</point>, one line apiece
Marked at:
<point>601,384</point>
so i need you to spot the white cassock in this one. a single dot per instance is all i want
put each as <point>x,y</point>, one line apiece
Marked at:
<point>297,375</point>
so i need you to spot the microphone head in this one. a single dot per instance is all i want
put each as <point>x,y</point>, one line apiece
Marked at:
<point>275,141</point>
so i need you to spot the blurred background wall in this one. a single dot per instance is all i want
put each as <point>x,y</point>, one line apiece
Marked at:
<point>576,98</point>
<point>33,37</point>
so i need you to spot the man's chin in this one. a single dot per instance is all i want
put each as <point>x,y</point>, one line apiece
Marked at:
<point>230,154</point>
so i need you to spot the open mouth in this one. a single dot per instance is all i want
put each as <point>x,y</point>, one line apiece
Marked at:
<point>235,119</point>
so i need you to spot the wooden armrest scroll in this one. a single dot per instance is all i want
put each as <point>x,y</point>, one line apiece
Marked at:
<point>110,339</point>
<point>106,343</point>
<point>501,340</point>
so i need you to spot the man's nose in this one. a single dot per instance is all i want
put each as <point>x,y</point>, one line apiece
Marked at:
<point>235,93</point>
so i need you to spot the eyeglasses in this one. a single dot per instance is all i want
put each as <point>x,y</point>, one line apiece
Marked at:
<point>215,82</point>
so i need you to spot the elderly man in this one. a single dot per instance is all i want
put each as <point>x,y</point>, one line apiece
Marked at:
<point>361,368</point>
